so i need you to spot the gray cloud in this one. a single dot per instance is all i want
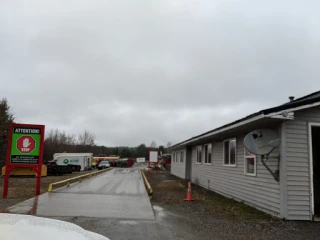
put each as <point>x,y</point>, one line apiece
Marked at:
<point>137,71</point>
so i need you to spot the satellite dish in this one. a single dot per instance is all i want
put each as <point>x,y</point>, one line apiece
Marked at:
<point>261,141</point>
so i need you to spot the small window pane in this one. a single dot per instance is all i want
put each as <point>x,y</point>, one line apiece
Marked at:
<point>199,153</point>
<point>182,156</point>
<point>206,153</point>
<point>233,152</point>
<point>226,152</point>
<point>209,157</point>
<point>250,165</point>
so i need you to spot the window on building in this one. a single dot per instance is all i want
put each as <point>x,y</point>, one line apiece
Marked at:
<point>173,157</point>
<point>182,156</point>
<point>199,154</point>
<point>250,164</point>
<point>177,156</point>
<point>229,148</point>
<point>207,153</point>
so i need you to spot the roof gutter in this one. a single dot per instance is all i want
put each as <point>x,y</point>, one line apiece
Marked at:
<point>285,114</point>
<point>290,110</point>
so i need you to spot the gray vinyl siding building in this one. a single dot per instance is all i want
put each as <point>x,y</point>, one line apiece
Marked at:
<point>297,164</point>
<point>292,195</point>
<point>261,190</point>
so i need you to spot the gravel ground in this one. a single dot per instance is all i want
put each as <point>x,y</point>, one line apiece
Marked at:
<point>213,216</point>
<point>23,188</point>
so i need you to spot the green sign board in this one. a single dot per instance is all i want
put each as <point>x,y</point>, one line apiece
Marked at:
<point>25,149</point>
<point>25,145</point>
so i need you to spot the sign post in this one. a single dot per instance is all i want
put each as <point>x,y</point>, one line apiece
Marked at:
<point>25,150</point>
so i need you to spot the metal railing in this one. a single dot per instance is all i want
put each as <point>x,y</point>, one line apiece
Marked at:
<point>78,178</point>
<point>147,185</point>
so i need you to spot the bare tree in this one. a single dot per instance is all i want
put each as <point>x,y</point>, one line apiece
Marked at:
<point>153,144</point>
<point>86,138</point>
<point>58,141</point>
<point>71,139</point>
<point>169,144</point>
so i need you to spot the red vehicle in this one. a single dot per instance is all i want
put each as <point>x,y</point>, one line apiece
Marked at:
<point>113,163</point>
<point>167,159</point>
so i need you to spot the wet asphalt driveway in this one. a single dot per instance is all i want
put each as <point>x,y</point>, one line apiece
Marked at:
<point>116,205</point>
<point>119,193</point>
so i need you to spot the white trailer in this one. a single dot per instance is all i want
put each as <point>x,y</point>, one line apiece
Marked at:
<point>82,159</point>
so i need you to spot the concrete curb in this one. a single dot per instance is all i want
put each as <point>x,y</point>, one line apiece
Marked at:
<point>147,185</point>
<point>78,178</point>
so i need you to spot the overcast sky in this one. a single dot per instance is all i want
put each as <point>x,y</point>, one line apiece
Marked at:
<point>133,71</point>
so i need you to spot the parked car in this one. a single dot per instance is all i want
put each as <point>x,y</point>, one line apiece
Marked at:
<point>125,162</point>
<point>113,163</point>
<point>103,165</point>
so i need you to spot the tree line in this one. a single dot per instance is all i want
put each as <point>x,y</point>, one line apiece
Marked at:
<point>60,141</point>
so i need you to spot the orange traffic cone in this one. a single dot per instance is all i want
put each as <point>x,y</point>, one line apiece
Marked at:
<point>189,194</point>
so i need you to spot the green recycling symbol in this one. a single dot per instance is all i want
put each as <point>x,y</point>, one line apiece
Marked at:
<point>66,161</point>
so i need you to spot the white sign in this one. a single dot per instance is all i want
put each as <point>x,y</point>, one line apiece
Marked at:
<point>153,156</point>
<point>141,159</point>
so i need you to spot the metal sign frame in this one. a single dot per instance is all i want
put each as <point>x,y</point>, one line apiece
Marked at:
<point>157,162</point>
<point>11,166</point>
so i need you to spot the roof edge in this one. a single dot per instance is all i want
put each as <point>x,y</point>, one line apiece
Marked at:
<point>253,117</point>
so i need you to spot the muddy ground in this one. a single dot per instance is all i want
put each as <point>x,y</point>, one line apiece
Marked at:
<point>212,216</point>
<point>23,188</point>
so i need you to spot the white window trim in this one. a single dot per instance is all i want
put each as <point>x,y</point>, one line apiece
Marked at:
<point>230,165</point>
<point>183,157</point>
<point>197,155</point>
<point>245,164</point>
<point>208,144</point>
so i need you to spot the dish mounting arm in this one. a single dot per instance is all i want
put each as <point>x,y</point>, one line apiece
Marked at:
<point>275,174</point>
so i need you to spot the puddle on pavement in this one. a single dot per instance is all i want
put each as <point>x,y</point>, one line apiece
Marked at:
<point>159,211</point>
<point>128,222</point>
<point>157,208</point>
<point>125,171</point>
<point>30,209</point>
